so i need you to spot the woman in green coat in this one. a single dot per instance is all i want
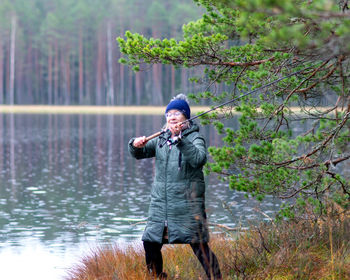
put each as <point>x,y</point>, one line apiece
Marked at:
<point>177,208</point>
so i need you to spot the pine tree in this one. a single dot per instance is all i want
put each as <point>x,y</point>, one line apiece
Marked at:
<point>244,45</point>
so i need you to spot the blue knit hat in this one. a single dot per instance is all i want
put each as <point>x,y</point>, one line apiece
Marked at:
<point>180,105</point>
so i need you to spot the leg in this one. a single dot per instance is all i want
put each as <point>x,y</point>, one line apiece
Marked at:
<point>207,259</point>
<point>154,259</point>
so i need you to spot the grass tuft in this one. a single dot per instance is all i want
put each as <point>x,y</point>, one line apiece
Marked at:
<point>299,249</point>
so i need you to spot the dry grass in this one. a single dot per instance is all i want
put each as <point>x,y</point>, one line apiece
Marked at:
<point>110,263</point>
<point>290,250</point>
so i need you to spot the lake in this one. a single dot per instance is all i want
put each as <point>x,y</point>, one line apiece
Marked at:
<point>68,184</point>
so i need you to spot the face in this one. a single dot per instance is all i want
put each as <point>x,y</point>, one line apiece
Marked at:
<point>173,117</point>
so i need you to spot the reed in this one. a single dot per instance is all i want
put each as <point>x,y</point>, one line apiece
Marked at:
<point>299,249</point>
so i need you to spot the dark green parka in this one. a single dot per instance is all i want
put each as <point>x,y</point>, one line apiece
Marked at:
<point>178,190</point>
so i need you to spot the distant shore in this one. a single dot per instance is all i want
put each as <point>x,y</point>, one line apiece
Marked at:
<point>113,110</point>
<point>117,110</point>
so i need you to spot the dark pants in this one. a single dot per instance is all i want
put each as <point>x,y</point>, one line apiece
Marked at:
<point>206,257</point>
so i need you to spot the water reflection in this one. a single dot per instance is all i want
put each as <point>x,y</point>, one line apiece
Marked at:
<point>68,179</point>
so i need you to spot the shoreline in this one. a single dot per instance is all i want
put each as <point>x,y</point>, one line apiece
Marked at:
<point>82,109</point>
<point>113,110</point>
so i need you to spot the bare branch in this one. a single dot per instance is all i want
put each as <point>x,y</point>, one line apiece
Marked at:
<point>232,64</point>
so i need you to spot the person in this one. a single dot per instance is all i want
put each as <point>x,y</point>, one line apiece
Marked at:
<point>177,208</point>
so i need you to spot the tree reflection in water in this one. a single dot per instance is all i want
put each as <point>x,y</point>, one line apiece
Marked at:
<point>68,179</point>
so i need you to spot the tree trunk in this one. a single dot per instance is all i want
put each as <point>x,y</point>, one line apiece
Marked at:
<point>20,84</point>
<point>157,77</point>
<point>88,98</point>
<point>104,70</point>
<point>157,84</point>
<point>56,73</point>
<point>67,78</point>
<point>121,69</point>
<point>173,70</point>
<point>110,99</point>
<point>36,78</point>
<point>138,87</point>
<point>42,97</point>
<point>166,85</point>
<point>173,85</point>
<point>1,72</point>
<point>7,69</point>
<point>121,84</point>
<point>73,81</point>
<point>99,71</point>
<point>49,74</point>
<point>130,94</point>
<point>64,89</point>
<point>81,68</point>
<point>184,79</point>
<point>28,74</point>
<point>12,62</point>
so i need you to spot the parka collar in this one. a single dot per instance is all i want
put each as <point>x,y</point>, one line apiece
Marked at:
<point>193,127</point>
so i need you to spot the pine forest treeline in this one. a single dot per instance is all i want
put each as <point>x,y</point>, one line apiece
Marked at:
<point>64,52</point>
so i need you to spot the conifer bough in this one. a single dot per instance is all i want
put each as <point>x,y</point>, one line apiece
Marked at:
<point>238,46</point>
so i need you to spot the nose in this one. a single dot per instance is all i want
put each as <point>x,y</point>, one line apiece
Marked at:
<point>172,117</point>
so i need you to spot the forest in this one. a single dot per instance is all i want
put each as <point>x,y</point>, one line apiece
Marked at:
<point>64,52</point>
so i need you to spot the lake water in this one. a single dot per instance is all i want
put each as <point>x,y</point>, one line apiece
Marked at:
<point>68,184</point>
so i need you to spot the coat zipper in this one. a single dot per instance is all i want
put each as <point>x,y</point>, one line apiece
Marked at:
<point>165,191</point>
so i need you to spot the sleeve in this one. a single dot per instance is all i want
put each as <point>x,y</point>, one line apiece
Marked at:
<point>146,152</point>
<point>193,151</point>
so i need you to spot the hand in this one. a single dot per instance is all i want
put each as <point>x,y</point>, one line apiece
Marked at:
<point>176,128</point>
<point>140,142</point>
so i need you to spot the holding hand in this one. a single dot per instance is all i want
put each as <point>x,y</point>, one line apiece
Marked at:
<point>140,142</point>
<point>176,128</point>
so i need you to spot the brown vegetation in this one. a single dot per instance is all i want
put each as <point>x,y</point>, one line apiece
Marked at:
<point>300,249</point>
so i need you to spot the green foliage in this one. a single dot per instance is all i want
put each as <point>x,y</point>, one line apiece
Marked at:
<point>246,44</point>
